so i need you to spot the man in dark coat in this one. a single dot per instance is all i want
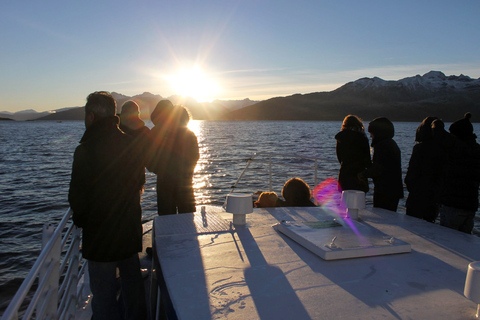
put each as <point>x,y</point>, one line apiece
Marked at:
<point>386,168</point>
<point>104,195</point>
<point>459,199</point>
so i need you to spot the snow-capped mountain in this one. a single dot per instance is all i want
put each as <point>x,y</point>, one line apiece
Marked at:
<point>433,82</point>
<point>408,99</point>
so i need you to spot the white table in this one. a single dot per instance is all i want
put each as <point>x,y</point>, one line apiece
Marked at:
<point>255,272</point>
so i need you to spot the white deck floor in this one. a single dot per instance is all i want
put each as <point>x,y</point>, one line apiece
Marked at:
<point>257,273</point>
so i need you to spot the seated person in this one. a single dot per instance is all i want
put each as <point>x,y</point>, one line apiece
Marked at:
<point>296,193</point>
<point>266,200</point>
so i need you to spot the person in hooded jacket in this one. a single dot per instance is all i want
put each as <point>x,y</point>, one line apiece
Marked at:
<point>424,178</point>
<point>353,153</point>
<point>459,198</point>
<point>386,168</point>
<point>173,156</point>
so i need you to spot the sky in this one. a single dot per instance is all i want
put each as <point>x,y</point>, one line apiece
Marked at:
<point>54,53</point>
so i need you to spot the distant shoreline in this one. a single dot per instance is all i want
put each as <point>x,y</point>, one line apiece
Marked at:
<point>340,120</point>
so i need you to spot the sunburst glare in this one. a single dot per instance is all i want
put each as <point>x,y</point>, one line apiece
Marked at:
<point>194,82</point>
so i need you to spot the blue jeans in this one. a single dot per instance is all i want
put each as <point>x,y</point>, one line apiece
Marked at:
<point>105,287</point>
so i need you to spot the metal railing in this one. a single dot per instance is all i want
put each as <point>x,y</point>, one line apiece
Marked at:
<point>58,269</point>
<point>271,170</point>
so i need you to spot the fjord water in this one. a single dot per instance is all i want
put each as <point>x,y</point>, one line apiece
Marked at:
<point>36,159</point>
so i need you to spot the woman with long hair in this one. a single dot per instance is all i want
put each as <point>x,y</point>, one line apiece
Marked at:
<point>353,153</point>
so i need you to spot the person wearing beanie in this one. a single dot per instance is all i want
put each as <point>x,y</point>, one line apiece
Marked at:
<point>463,128</point>
<point>459,197</point>
<point>386,168</point>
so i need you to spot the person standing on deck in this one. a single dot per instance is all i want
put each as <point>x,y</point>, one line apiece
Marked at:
<point>459,198</point>
<point>386,168</point>
<point>104,195</point>
<point>173,156</point>
<point>131,124</point>
<point>353,153</point>
<point>424,178</point>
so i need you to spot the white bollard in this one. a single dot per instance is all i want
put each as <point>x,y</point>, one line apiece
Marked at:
<point>354,200</point>
<point>239,205</point>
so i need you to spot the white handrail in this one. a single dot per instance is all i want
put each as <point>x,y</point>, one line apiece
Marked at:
<point>47,268</point>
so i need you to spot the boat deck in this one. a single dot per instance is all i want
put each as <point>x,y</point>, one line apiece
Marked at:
<point>255,272</point>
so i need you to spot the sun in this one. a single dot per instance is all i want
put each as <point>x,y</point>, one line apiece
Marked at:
<point>195,83</point>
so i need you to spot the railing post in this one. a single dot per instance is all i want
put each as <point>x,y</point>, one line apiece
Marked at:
<point>270,171</point>
<point>74,261</point>
<point>53,278</point>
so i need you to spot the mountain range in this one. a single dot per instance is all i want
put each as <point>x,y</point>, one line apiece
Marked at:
<point>408,99</point>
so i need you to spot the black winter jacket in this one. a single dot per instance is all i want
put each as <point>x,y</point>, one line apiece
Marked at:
<point>353,153</point>
<point>105,187</point>
<point>173,153</point>
<point>424,180</point>
<point>386,168</point>
<point>462,175</point>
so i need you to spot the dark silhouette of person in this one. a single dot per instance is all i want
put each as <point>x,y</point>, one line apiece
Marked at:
<point>459,196</point>
<point>131,124</point>
<point>172,157</point>
<point>353,153</point>
<point>424,178</point>
<point>296,193</point>
<point>104,194</point>
<point>130,121</point>
<point>386,168</point>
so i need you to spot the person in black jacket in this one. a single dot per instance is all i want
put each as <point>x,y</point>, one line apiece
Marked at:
<point>131,124</point>
<point>353,153</point>
<point>459,198</point>
<point>424,178</point>
<point>130,121</point>
<point>173,156</point>
<point>104,195</point>
<point>386,168</point>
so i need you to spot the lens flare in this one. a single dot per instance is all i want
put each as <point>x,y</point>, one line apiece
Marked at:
<point>329,197</point>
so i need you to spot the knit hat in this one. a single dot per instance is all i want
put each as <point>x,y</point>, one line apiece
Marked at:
<point>462,128</point>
